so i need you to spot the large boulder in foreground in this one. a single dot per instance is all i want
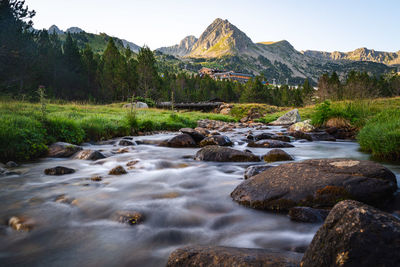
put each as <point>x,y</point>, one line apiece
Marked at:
<point>317,183</point>
<point>227,256</point>
<point>289,118</point>
<point>269,144</point>
<point>63,150</point>
<point>225,154</point>
<point>216,140</point>
<point>355,234</point>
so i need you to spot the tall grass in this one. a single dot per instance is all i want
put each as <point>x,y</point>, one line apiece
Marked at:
<point>25,132</point>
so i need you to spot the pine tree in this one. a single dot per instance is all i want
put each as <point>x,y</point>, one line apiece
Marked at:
<point>148,80</point>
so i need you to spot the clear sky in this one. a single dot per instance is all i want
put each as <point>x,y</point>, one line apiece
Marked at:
<point>328,25</point>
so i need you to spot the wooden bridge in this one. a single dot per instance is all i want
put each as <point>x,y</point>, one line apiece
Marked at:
<point>204,106</point>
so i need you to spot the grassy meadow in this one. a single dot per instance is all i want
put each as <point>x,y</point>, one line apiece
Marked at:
<point>26,129</point>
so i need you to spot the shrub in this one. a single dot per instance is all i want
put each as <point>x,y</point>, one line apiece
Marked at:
<point>64,130</point>
<point>322,113</point>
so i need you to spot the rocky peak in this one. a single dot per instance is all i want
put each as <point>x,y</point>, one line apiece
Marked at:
<point>55,29</point>
<point>188,42</point>
<point>74,30</point>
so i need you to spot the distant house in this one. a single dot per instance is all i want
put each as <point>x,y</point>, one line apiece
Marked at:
<point>225,75</point>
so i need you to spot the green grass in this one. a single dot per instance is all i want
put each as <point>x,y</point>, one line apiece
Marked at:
<point>25,135</point>
<point>381,135</point>
<point>241,110</point>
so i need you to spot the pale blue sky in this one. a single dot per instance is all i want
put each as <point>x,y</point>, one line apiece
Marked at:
<point>309,24</point>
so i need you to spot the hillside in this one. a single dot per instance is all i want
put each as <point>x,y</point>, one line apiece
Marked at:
<point>223,45</point>
<point>181,49</point>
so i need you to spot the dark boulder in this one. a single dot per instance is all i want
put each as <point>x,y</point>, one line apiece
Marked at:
<point>63,150</point>
<point>254,170</point>
<point>119,170</point>
<point>307,214</point>
<point>59,170</point>
<point>317,183</point>
<point>269,144</point>
<point>227,256</point>
<point>355,234</point>
<point>197,137</point>
<point>271,136</point>
<point>322,136</point>
<point>217,140</point>
<point>11,164</point>
<point>89,155</point>
<point>151,142</point>
<point>225,154</point>
<point>182,140</point>
<point>125,142</point>
<point>277,155</point>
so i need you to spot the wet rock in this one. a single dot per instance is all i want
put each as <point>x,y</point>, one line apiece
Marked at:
<point>301,135</point>
<point>122,150</point>
<point>96,178</point>
<point>132,163</point>
<point>355,234</point>
<point>263,136</point>
<point>125,142</point>
<point>89,155</point>
<point>225,154</point>
<point>303,126</point>
<point>202,131</point>
<point>317,183</point>
<point>182,140</point>
<point>64,199</point>
<point>291,117</point>
<point>21,224</point>
<point>119,170</point>
<point>218,140</point>
<point>128,217</point>
<point>277,155</point>
<point>197,137</point>
<point>63,150</point>
<point>59,170</point>
<point>254,170</point>
<point>228,256</point>
<point>11,164</point>
<point>307,214</point>
<point>322,136</point>
<point>269,144</point>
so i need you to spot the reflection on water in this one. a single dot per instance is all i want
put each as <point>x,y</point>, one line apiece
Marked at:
<point>184,202</point>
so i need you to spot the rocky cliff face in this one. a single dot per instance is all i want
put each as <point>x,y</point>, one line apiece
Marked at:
<point>182,49</point>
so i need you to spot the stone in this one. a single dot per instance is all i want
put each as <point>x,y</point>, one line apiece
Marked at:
<point>218,140</point>
<point>289,118</point>
<point>307,214</point>
<point>277,155</point>
<point>151,142</point>
<point>11,164</point>
<point>96,178</point>
<point>225,154</point>
<point>119,170</point>
<point>270,144</point>
<point>355,234</point>
<point>59,170</point>
<point>128,217</point>
<point>136,105</point>
<point>88,154</point>
<point>20,224</point>
<point>317,183</point>
<point>197,137</point>
<point>63,150</point>
<point>132,163</point>
<point>254,170</point>
<point>303,126</point>
<point>125,142</point>
<point>212,256</point>
<point>182,140</point>
<point>322,136</point>
<point>202,131</point>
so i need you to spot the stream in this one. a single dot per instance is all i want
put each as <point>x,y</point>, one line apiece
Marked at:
<point>184,202</point>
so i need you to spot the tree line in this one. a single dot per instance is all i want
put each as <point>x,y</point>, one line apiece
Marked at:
<point>31,58</point>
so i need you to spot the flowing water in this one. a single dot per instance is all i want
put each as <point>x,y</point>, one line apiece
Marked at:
<point>184,202</point>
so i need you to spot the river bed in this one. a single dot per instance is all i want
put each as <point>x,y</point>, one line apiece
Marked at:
<point>185,202</point>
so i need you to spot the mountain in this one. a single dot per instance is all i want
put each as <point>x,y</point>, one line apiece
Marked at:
<point>98,42</point>
<point>222,45</point>
<point>360,54</point>
<point>221,38</point>
<point>181,49</point>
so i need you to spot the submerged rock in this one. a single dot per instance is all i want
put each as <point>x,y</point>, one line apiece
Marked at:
<point>59,170</point>
<point>355,234</point>
<point>270,144</point>
<point>11,164</point>
<point>271,136</point>
<point>277,155</point>
<point>63,150</point>
<point>89,155</point>
<point>291,117</point>
<point>21,224</point>
<point>128,217</point>
<point>225,154</point>
<point>317,183</point>
<point>217,140</point>
<point>119,170</point>
<point>254,170</point>
<point>212,256</point>
<point>307,214</point>
<point>197,136</point>
<point>125,142</point>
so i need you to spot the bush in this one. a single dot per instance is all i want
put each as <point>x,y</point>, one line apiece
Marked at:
<point>322,113</point>
<point>381,135</point>
<point>64,130</point>
<point>22,138</point>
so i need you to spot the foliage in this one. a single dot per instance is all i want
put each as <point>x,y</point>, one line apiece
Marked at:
<point>322,113</point>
